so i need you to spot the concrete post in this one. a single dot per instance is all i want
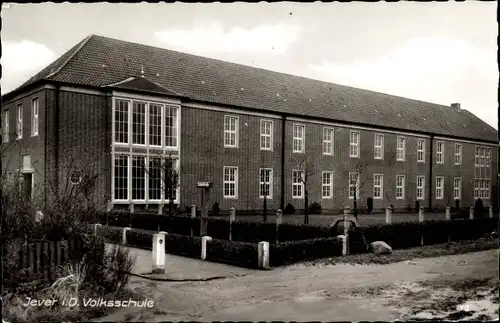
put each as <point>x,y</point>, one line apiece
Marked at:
<point>421,214</point>
<point>263,254</point>
<point>279,218</point>
<point>109,206</point>
<point>232,216</point>
<point>388,215</point>
<point>131,207</point>
<point>124,235</point>
<point>344,244</point>
<point>490,213</point>
<point>95,227</point>
<point>160,209</point>
<point>471,213</point>
<point>158,253</point>
<point>347,212</point>
<point>204,241</point>
<point>448,213</point>
<point>193,211</point>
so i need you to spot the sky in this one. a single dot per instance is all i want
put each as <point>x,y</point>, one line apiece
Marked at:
<point>436,52</point>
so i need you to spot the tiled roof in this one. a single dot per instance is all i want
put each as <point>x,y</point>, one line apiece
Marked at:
<point>142,84</point>
<point>100,61</point>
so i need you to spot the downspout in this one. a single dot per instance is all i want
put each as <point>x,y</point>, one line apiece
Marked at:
<point>282,202</point>
<point>56,139</point>
<point>46,148</point>
<point>430,171</point>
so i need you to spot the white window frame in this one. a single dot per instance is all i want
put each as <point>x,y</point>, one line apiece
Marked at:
<point>476,188</point>
<point>439,188</point>
<point>354,145</point>
<point>440,152</point>
<point>128,172</point>
<point>131,187</point>
<point>421,150</point>
<point>270,183</point>
<point>379,185</point>
<point>420,187</point>
<point>148,177</point>
<point>487,189</point>
<point>482,157</point>
<point>487,158</point>
<point>5,126</point>
<point>458,154</point>
<point>328,140</point>
<point>477,153</point>
<point>177,126</point>
<point>19,121</point>
<point>378,147</point>
<point>228,132</point>
<point>351,197</point>
<point>35,113</point>
<point>457,190</point>
<point>148,116</point>
<point>297,140</point>
<point>401,187</point>
<point>128,126</point>
<point>265,138</point>
<point>300,183</point>
<point>401,149</point>
<point>234,182</point>
<point>328,185</point>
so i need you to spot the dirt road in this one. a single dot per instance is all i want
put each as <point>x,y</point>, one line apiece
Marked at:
<point>320,292</point>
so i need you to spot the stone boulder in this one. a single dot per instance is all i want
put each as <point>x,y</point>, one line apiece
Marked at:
<point>380,248</point>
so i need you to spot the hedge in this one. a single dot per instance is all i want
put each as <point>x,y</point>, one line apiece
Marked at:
<point>295,251</point>
<point>243,254</point>
<point>111,234</point>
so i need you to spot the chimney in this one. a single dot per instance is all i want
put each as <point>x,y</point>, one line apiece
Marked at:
<point>455,106</point>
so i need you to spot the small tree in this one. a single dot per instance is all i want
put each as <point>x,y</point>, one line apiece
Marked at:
<point>306,171</point>
<point>164,170</point>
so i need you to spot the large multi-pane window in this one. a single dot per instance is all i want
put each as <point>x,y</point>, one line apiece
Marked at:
<point>327,141</point>
<point>401,148</point>
<point>5,126</point>
<point>476,160</point>
<point>19,123</point>
<point>354,144</point>
<point>139,123</point>
<point>482,172</point>
<point>439,187</point>
<point>379,146</point>
<point>440,152</point>
<point>420,187</point>
<point>421,151</point>
<point>266,183</point>
<point>482,188</point>
<point>171,127</point>
<point>170,169</point>
<point>298,138</point>
<point>297,184</point>
<point>326,185</point>
<point>121,121</point>
<point>138,178</point>
<point>458,154</point>
<point>457,188</point>
<point>378,186</point>
<point>35,110</point>
<point>154,178</point>
<point>353,185</point>
<point>230,131</point>
<point>476,188</point>
<point>400,187</point>
<point>121,177</point>
<point>266,135</point>
<point>155,124</point>
<point>230,182</point>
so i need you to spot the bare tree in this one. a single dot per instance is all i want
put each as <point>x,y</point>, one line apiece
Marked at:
<point>306,171</point>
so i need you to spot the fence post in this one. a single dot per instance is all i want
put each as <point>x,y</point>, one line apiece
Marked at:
<point>95,227</point>
<point>232,216</point>
<point>160,209</point>
<point>131,207</point>
<point>158,253</point>
<point>388,215</point>
<point>279,215</point>
<point>193,215</point>
<point>421,213</point>
<point>347,212</point>
<point>471,213</point>
<point>124,235</point>
<point>263,255</point>
<point>204,241</point>
<point>448,213</point>
<point>490,213</point>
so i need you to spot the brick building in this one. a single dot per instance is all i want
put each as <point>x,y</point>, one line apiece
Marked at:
<point>249,131</point>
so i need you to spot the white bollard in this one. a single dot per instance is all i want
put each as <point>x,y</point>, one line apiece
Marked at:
<point>388,214</point>
<point>279,218</point>
<point>132,208</point>
<point>193,211</point>
<point>471,213</point>
<point>263,254</point>
<point>448,213</point>
<point>490,213</point>
<point>232,216</point>
<point>158,253</point>
<point>421,214</point>
<point>204,241</point>
<point>124,235</point>
<point>95,227</point>
<point>39,216</point>
<point>160,209</point>
<point>343,239</point>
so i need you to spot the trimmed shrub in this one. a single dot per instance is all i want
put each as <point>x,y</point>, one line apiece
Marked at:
<point>183,245</point>
<point>478,206</point>
<point>315,208</point>
<point>110,234</point>
<point>140,239</point>
<point>369,204</point>
<point>289,209</point>
<point>417,206</point>
<point>218,229</point>
<point>295,251</point>
<point>246,231</point>
<point>242,254</point>
<point>215,209</point>
<point>457,205</point>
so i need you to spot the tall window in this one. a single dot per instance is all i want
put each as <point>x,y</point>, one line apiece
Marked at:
<point>458,154</point>
<point>327,141</point>
<point>439,187</point>
<point>139,123</point>
<point>121,121</point>
<point>138,178</point>
<point>482,157</point>
<point>401,148</point>
<point>171,129</point>
<point>230,131</point>
<point>266,183</point>
<point>298,138</point>
<point>171,167</point>
<point>353,185</point>
<point>326,185</point>
<point>440,152</point>
<point>121,178</point>
<point>400,187</point>
<point>477,184</point>
<point>5,127</point>
<point>487,160</point>
<point>354,145</point>
<point>266,135</point>
<point>457,188</point>
<point>420,187</point>
<point>297,185</point>
<point>35,110</point>
<point>19,124</point>
<point>421,151</point>
<point>230,182</point>
<point>154,178</point>
<point>487,186</point>
<point>477,157</point>
<point>378,186</point>
<point>155,124</point>
<point>379,146</point>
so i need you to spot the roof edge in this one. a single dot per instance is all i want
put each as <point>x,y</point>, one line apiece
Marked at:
<point>83,43</point>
